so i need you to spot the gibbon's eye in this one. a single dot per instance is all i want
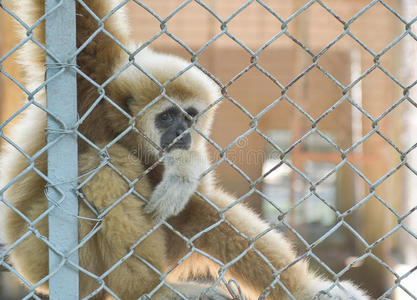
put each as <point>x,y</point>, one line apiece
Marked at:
<point>192,111</point>
<point>165,117</point>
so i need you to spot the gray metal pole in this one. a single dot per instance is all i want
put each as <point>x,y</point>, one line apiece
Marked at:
<point>61,95</point>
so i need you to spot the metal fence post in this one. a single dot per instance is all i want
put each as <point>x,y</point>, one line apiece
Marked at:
<point>63,155</point>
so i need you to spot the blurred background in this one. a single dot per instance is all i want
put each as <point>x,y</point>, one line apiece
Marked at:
<point>376,108</point>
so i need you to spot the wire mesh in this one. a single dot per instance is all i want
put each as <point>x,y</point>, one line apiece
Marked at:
<point>61,65</point>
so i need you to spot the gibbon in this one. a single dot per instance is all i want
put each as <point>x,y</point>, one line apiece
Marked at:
<point>162,116</point>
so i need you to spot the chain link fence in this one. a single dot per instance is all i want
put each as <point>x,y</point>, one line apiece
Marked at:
<point>63,183</point>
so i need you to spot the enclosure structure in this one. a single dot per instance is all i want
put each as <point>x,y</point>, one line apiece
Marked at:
<point>320,117</point>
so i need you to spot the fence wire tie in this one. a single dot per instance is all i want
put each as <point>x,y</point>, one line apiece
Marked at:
<point>58,204</point>
<point>72,130</point>
<point>60,65</point>
<point>231,285</point>
<point>61,130</point>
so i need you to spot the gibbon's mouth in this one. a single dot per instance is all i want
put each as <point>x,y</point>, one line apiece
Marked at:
<point>182,143</point>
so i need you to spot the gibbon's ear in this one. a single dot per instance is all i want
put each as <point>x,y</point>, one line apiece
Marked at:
<point>129,103</point>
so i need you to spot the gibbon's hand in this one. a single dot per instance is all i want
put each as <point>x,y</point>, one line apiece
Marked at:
<point>180,180</point>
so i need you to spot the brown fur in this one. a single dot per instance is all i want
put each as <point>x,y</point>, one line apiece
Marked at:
<point>126,223</point>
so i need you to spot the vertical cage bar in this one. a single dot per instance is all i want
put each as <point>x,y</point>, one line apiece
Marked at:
<point>60,33</point>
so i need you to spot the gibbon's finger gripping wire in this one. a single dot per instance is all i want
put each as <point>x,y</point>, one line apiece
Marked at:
<point>298,29</point>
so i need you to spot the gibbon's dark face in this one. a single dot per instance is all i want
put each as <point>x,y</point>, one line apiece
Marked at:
<point>171,123</point>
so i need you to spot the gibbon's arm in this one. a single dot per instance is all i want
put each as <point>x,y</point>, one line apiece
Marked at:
<point>100,54</point>
<point>97,56</point>
<point>96,60</point>
<point>251,271</point>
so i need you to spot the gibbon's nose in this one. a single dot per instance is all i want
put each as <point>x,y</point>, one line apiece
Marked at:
<point>178,131</point>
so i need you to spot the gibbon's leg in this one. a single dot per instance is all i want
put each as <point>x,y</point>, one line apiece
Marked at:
<point>27,196</point>
<point>122,227</point>
<point>225,244</point>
